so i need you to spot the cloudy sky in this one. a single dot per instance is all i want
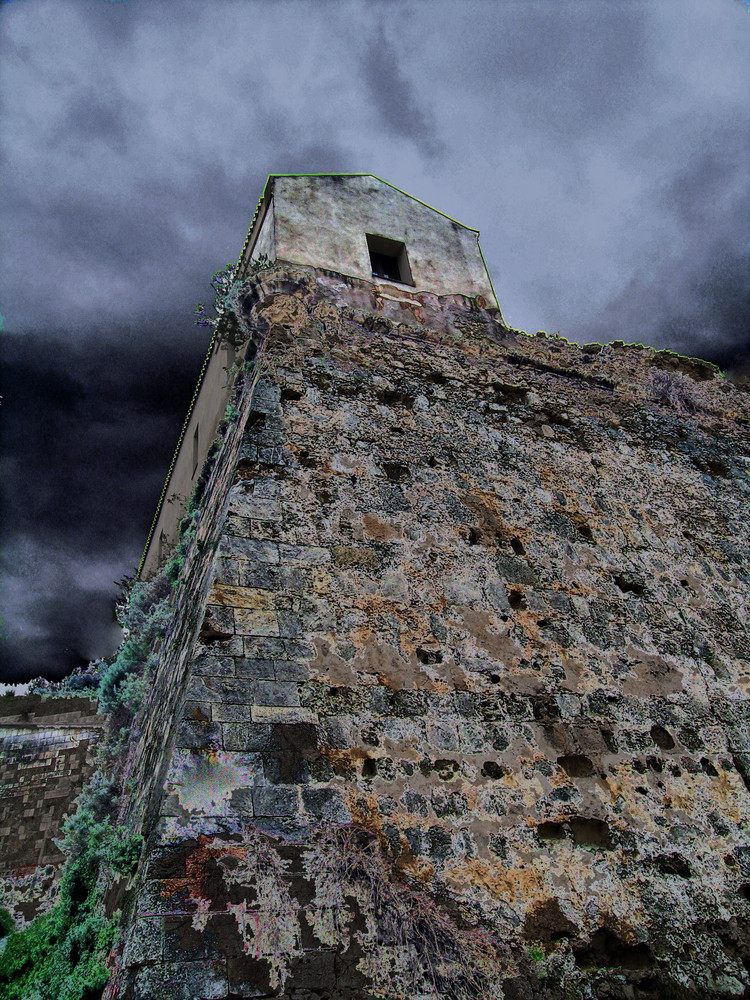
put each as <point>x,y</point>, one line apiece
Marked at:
<point>601,147</point>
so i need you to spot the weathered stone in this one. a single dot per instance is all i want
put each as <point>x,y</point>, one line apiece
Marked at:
<point>180,981</point>
<point>144,942</point>
<point>257,669</point>
<point>274,801</point>
<point>495,624</point>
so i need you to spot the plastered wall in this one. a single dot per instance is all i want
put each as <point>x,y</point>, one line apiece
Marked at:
<point>321,221</point>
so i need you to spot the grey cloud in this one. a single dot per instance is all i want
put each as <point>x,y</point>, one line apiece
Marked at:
<point>566,69</point>
<point>699,307</point>
<point>394,96</point>
<point>695,296</point>
<point>90,118</point>
<point>52,592</point>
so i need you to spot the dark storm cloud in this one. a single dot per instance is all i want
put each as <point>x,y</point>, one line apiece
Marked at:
<point>75,410</point>
<point>699,307</point>
<point>58,605</point>
<point>393,96</point>
<point>85,447</point>
<point>695,296</point>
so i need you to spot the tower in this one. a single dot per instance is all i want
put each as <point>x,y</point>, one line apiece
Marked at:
<point>451,702</point>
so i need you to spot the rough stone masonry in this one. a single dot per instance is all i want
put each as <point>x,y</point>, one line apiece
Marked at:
<point>456,699</point>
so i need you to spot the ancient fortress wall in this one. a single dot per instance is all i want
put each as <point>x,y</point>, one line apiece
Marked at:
<point>455,699</point>
<point>47,751</point>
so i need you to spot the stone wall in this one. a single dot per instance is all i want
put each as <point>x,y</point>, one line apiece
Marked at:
<point>467,714</point>
<point>46,756</point>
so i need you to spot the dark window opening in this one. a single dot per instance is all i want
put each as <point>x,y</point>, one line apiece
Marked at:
<point>388,259</point>
<point>384,267</point>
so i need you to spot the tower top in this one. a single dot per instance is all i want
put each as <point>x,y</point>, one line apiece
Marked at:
<point>362,226</point>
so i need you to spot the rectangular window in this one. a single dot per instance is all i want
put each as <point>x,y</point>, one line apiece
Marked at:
<point>388,259</point>
<point>195,449</point>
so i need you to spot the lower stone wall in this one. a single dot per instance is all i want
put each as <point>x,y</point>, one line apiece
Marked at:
<point>47,750</point>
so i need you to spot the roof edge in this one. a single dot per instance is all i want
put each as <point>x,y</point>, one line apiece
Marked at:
<point>426,204</point>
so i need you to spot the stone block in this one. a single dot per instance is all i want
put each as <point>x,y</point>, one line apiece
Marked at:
<point>165,897</point>
<point>169,860</point>
<point>197,711</point>
<point>193,735</point>
<point>234,713</point>
<point>290,670</point>
<point>247,598</point>
<point>180,981</point>
<point>231,646</point>
<point>272,713</point>
<point>248,977</point>
<point>257,669</point>
<point>224,690</point>
<point>274,801</point>
<point>293,579</point>
<point>258,622</point>
<point>280,693</point>
<point>228,570</point>
<point>241,803</point>
<point>315,970</point>
<point>254,549</point>
<point>290,625</point>
<point>326,804</point>
<point>219,620</point>
<point>144,942</point>
<point>247,736</point>
<point>255,508</point>
<point>265,647</point>
<point>207,665</point>
<point>185,943</point>
<point>262,576</point>
<point>303,555</point>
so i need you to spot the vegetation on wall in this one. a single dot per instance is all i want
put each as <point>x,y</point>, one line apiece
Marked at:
<point>410,945</point>
<point>224,282</point>
<point>61,955</point>
<point>676,391</point>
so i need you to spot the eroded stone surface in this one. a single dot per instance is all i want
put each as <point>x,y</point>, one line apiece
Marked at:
<point>484,597</point>
<point>47,750</point>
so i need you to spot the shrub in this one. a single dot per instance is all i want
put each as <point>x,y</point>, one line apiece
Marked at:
<point>6,923</point>
<point>61,954</point>
<point>222,282</point>
<point>144,614</point>
<point>413,943</point>
<point>675,391</point>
